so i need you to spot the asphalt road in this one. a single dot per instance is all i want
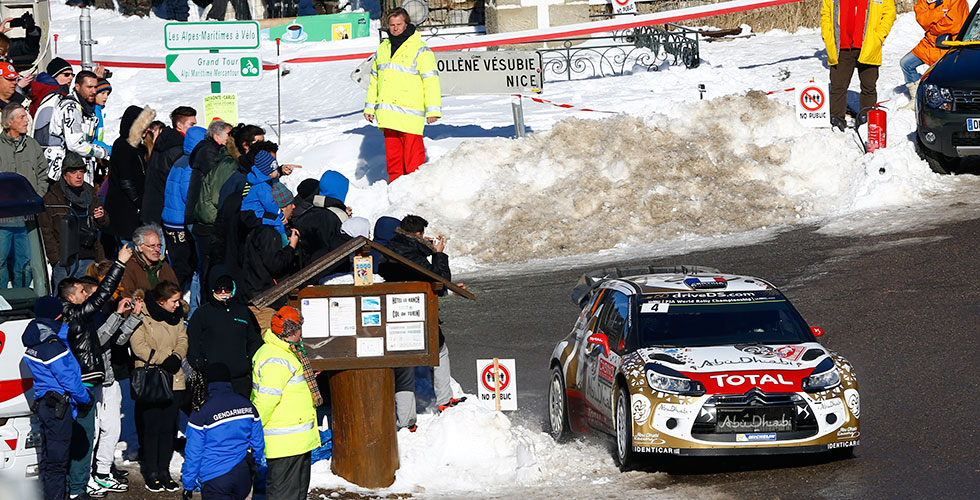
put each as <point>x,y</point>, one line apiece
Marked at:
<point>903,308</point>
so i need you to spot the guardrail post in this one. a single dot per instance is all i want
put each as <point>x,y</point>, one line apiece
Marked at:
<point>517,105</point>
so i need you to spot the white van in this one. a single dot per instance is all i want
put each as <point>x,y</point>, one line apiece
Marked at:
<point>23,278</point>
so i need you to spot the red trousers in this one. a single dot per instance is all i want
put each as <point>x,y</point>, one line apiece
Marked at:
<point>404,152</point>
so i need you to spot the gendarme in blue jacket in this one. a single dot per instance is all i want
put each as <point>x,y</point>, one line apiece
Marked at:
<point>174,213</point>
<point>51,363</point>
<point>219,435</point>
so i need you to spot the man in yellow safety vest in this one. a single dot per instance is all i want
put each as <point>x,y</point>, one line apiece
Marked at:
<point>404,94</point>
<point>285,393</point>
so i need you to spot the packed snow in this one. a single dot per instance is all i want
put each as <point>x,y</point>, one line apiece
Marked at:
<point>663,172</point>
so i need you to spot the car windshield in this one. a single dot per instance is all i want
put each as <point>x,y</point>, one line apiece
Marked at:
<point>22,270</point>
<point>771,320</point>
<point>972,33</point>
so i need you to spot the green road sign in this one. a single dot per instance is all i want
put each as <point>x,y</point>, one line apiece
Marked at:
<point>211,36</point>
<point>208,67</point>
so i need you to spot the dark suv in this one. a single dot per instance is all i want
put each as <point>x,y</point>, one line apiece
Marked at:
<point>947,103</point>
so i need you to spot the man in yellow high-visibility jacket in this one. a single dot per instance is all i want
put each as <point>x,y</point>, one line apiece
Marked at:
<point>853,32</point>
<point>285,394</point>
<point>404,94</point>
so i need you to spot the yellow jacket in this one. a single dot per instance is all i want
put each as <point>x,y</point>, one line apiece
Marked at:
<point>880,17</point>
<point>283,400</point>
<point>404,88</point>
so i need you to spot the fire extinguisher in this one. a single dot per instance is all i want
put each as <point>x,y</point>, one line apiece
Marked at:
<point>877,128</point>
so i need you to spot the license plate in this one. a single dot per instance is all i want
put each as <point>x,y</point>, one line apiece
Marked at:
<point>754,420</point>
<point>973,124</point>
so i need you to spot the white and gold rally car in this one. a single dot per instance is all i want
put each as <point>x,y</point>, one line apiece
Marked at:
<point>689,361</point>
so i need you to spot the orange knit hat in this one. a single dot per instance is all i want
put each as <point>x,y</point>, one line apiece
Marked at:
<point>284,313</point>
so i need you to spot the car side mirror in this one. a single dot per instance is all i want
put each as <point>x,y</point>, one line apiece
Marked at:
<point>942,39</point>
<point>600,339</point>
<point>817,331</point>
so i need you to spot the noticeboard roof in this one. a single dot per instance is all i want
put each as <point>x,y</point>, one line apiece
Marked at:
<point>296,280</point>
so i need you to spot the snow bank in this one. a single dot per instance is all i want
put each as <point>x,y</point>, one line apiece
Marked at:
<point>476,452</point>
<point>725,165</point>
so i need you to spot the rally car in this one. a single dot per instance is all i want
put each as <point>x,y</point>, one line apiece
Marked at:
<point>690,361</point>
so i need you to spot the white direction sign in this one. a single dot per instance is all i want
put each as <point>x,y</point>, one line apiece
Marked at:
<point>467,73</point>
<point>212,36</point>
<point>208,67</point>
<point>812,104</point>
<point>489,379</point>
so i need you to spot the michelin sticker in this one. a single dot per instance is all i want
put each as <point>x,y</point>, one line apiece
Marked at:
<point>641,409</point>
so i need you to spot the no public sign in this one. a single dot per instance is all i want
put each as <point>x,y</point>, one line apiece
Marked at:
<point>812,108</point>
<point>503,376</point>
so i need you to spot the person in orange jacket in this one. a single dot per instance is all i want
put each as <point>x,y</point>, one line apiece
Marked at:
<point>937,17</point>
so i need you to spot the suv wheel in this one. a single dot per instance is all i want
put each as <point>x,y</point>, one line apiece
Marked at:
<point>938,162</point>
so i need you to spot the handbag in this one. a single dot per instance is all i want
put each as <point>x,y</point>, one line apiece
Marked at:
<point>151,384</point>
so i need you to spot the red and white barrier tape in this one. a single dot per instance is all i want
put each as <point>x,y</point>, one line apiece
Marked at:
<point>566,106</point>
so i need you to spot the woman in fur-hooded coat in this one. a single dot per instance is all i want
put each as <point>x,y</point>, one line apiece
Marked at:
<point>127,176</point>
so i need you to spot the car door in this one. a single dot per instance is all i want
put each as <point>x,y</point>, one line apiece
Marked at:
<point>600,365</point>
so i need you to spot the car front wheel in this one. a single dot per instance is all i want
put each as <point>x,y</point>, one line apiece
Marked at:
<point>938,162</point>
<point>558,405</point>
<point>625,457</point>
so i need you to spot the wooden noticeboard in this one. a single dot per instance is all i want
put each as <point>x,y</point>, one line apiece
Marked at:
<point>384,325</point>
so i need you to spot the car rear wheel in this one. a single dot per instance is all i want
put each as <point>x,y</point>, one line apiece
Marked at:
<point>558,405</point>
<point>938,162</point>
<point>625,457</point>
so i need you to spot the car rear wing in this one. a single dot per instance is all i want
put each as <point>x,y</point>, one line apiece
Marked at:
<point>589,281</point>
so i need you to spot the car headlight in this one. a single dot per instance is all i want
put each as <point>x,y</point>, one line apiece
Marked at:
<point>825,376</point>
<point>938,97</point>
<point>666,380</point>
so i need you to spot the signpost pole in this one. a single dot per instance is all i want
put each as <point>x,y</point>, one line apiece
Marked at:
<point>496,381</point>
<point>517,105</point>
<point>278,92</point>
<point>215,86</point>
<point>85,38</point>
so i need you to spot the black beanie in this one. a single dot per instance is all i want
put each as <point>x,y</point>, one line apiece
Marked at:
<point>217,372</point>
<point>308,189</point>
<point>57,65</point>
<point>48,307</point>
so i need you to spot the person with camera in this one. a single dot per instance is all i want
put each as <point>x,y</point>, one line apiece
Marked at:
<point>71,196</point>
<point>80,312</point>
<point>410,242</point>
<point>161,343</point>
<point>60,395</point>
<point>72,129</point>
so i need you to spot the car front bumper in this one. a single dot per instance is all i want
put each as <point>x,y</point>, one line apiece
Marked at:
<point>947,131</point>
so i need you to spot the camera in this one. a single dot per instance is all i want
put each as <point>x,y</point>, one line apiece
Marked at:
<point>107,74</point>
<point>25,21</point>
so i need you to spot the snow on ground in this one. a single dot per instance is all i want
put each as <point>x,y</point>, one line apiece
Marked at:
<point>664,173</point>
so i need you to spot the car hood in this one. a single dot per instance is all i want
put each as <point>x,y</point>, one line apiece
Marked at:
<point>960,68</point>
<point>738,368</point>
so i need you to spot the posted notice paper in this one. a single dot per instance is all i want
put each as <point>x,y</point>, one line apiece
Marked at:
<point>343,316</point>
<point>405,336</point>
<point>316,318</point>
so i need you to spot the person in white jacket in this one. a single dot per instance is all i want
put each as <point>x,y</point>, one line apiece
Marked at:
<point>72,128</point>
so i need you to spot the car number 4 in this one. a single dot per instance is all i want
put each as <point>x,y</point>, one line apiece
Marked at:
<point>973,124</point>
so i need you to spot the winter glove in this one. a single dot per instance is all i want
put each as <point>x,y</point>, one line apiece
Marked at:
<point>188,494</point>
<point>83,409</point>
<point>171,365</point>
<point>253,470</point>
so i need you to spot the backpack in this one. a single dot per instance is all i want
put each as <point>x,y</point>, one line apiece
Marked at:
<point>42,119</point>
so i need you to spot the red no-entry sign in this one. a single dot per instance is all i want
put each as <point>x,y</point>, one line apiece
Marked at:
<point>812,98</point>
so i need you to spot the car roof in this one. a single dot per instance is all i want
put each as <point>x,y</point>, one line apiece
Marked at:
<point>697,283</point>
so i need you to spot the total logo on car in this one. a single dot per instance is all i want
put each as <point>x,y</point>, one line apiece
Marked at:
<point>689,361</point>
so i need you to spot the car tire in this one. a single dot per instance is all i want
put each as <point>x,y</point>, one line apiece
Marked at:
<point>623,451</point>
<point>842,453</point>
<point>938,162</point>
<point>558,406</point>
